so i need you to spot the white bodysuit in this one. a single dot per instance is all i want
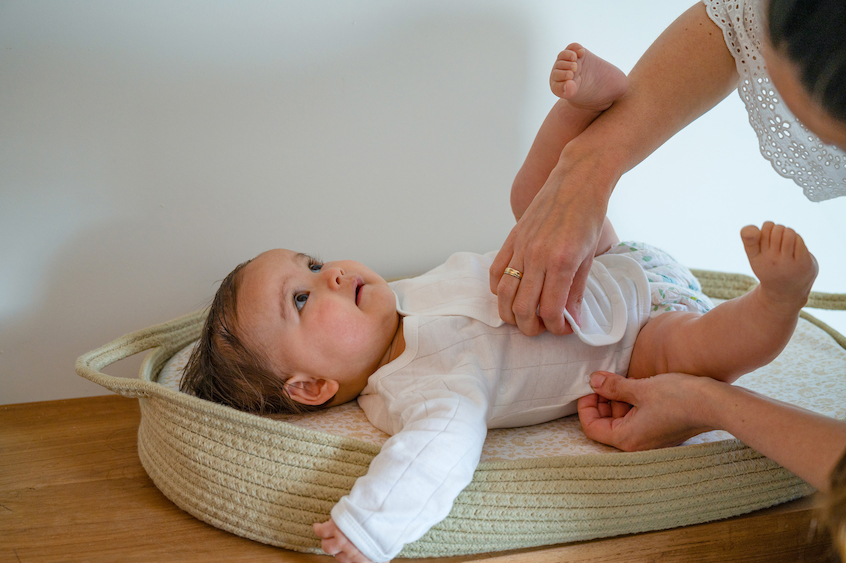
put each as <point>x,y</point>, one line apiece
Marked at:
<point>463,371</point>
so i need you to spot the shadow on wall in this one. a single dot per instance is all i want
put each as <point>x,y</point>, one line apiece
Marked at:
<point>201,170</point>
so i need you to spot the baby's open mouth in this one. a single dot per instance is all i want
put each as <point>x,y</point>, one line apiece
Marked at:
<point>358,285</point>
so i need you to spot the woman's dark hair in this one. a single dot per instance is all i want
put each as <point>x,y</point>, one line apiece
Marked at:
<point>812,34</point>
<point>223,370</point>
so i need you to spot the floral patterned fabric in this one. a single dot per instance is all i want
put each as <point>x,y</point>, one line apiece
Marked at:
<point>672,286</point>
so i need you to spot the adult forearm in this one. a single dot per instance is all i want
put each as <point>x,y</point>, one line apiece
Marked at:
<point>686,72</point>
<point>805,443</point>
<point>563,123</point>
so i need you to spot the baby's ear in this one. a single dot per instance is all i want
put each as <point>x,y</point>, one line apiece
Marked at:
<point>309,391</point>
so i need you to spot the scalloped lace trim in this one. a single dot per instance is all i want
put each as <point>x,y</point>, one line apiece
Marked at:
<point>793,150</point>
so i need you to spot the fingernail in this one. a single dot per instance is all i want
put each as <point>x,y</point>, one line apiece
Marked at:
<point>596,380</point>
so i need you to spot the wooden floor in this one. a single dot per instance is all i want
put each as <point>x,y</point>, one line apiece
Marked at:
<point>72,489</point>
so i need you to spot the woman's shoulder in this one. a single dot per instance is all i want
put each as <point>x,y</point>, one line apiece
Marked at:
<point>740,22</point>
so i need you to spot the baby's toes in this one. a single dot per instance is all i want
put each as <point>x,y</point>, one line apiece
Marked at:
<point>561,75</point>
<point>565,67</point>
<point>751,237</point>
<point>571,88</point>
<point>776,239</point>
<point>766,235</point>
<point>559,80</point>
<point>557,87</point>
<point>788,242</point>
<point>567,55</point>
<point>576,49</point>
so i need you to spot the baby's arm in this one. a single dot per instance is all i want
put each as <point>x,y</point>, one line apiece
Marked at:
<point>411,484</point>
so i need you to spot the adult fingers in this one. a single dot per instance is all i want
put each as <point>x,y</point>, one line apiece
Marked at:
<point>613,387</point>
<point>596,420</point>
<point>504,286</point>
<point>517,297</point>
<point>525,304</point>
<point>604,406</point>
<point>565,292</point>
<point>503,257</point>
<point>506,296</point>
<point>619,409</point>
<point>564,287</point>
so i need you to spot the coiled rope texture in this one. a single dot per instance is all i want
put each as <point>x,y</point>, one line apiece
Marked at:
<point>269,481</point>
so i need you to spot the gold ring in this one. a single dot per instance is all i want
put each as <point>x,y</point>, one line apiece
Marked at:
<point>512,272</point>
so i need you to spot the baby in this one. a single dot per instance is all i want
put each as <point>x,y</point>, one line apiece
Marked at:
<point>431,362</point>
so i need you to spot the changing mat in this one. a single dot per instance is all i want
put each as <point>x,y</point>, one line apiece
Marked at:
<point>269,479</point>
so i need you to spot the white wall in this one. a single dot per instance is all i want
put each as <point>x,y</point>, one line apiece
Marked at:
<point>146,148</point>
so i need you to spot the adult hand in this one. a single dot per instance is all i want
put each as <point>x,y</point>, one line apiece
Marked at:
<point>665,410</point>
<point>336,543</point>
<point>553,245</point>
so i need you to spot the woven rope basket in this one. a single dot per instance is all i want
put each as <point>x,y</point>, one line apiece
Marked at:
<point>269,481</point>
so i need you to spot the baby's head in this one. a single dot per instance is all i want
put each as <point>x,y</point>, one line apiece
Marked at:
<point>288,334</point>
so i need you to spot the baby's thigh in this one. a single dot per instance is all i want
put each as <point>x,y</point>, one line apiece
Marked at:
<point>661,344</point>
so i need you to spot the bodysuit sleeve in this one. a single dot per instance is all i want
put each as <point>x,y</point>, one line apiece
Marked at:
<point>414,480</point>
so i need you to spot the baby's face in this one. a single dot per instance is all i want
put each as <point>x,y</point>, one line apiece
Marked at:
<point>331,321</point>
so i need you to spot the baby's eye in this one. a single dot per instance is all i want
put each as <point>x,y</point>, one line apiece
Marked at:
<point>315,266</point>
<point>300,300</point>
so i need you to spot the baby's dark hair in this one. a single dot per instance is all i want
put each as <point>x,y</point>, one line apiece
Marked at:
<point>224,370</point>
<point>812,35</point>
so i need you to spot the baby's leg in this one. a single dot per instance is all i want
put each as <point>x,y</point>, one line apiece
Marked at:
<point>607,238</point>
<point>587,85</point>
<point>740,335</point>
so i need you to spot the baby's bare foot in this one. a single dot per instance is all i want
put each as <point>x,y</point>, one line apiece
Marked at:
<point>782,263</point>
<point>586,80</point>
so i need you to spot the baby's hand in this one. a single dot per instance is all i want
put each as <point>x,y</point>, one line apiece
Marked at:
<point>336,543</point>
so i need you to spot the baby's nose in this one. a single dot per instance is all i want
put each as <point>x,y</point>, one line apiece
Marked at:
<point>335,276</point>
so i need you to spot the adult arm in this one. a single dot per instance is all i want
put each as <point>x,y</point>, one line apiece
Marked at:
<point>685,72</point>
<point>668,409</point>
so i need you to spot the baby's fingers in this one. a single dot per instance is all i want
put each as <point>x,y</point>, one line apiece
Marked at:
<point>323,530</point>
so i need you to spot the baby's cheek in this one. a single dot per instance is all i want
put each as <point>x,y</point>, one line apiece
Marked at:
<point>351,336</point>
<point>338,326</point>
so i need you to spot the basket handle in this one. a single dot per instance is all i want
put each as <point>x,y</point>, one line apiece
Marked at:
<point>89,365</point>
<point>724,285</point>
<point>832,301</point>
